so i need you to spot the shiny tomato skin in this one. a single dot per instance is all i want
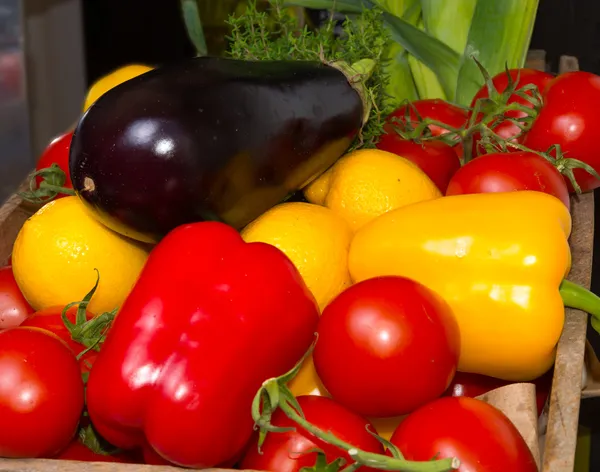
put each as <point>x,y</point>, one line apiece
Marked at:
<point>525,76</point>
<point>509,172</point>
<point>290,451</point>
<point>569,119</point>
<point>14,309</point>
<point>41,393</point>
<point>472,385</point>
<point>479,435</point>
<point>507,129</point>
<point>57,152</point>
<point>436,158</point>
<point>51,319</point>
<point>433,108</point>
<point>400,333</point>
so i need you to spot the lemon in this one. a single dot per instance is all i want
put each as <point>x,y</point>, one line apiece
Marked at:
<point>314,238</point>
<point>367,183</point>
<point>57,251</point>
<point>109,81</point>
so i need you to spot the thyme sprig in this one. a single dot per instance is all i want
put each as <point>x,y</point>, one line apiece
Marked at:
<point>276,35</point>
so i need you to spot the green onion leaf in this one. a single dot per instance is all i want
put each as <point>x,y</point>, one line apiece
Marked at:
<point>500,34</point>
<point>193,25</point>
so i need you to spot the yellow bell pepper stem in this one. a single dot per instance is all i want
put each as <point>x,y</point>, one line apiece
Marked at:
<point>576,296</point>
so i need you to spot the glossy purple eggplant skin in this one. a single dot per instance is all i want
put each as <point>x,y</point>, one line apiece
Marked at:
<point>209,139</point>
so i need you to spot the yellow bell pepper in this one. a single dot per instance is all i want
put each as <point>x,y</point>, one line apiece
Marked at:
<point>499,260</point>
<point>109,81</point>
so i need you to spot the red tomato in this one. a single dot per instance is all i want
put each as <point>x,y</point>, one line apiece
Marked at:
<point>57,152</point>
<point>508,172</point>
<point>14,309</point>
<point>436,158</point>
<point>41,393</point>
<point>540,79</point>
<point>433,108</point>
<point>569,119</point>
<point>398,331</point>
<point>51,319</point>
<point>290,451</point>
<point>473,385</point>
<point>479,435</point>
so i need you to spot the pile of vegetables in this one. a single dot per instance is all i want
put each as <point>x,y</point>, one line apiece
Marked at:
<point>186,330</point>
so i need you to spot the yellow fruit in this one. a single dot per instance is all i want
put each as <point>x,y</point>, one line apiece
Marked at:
<point>57,250</point>
<point>367,183</point>
<point>314,238</point>
<point>118,76</point>
<point>307,381</point>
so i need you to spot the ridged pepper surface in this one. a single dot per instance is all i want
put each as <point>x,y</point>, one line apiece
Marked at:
<point>209,320</point>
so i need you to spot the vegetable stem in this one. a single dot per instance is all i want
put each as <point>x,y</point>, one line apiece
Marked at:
<point>578,297</point>
<point>358,74</point>
<point>275,394</point>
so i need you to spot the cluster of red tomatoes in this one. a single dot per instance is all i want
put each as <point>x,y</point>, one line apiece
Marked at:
<point>542,114</point>
<point>544,132</point>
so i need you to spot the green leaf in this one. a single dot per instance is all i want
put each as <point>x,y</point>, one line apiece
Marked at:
<point>434,54</point>
<point>402,84</point>
<point>341,6</point>
<point>321,464</point>
<point>96,443</point>
<point>443,61</point>
<point>193,25</point>
<point>449,21</point>
<point>500,34</point>
<point>427,82</point>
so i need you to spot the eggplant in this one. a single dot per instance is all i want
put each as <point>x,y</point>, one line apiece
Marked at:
<point>213,138</point>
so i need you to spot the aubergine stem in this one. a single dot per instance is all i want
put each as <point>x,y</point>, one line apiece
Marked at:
<point>358,74</point>
<point>274,394</point>
<point>580,298</point>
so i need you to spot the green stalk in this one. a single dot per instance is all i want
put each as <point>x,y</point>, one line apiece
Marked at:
<point>370,459</point>
<point>274,394</point>
<point>500,34</point>
<point>425,79</point>
<point>401,84</point>
<point>449,21</point>
<point>580,298</point>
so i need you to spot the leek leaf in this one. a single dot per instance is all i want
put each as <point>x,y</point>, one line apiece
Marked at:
<point>193,25</point>
<point>449,21</point>
<point>426,81</point>
<point>500,35</point>
<point>433,53</point>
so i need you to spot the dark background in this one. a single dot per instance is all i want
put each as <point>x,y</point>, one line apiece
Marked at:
<point>117,35</point>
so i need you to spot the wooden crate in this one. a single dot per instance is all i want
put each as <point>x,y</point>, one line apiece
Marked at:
<point>576,369</point>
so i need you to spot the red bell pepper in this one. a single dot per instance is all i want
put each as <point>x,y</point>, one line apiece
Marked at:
<point>209,320</point>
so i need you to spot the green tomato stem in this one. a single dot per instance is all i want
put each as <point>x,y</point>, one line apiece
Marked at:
<point>369,459</point>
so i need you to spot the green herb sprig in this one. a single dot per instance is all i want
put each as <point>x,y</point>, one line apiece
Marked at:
<point>276,35</point>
